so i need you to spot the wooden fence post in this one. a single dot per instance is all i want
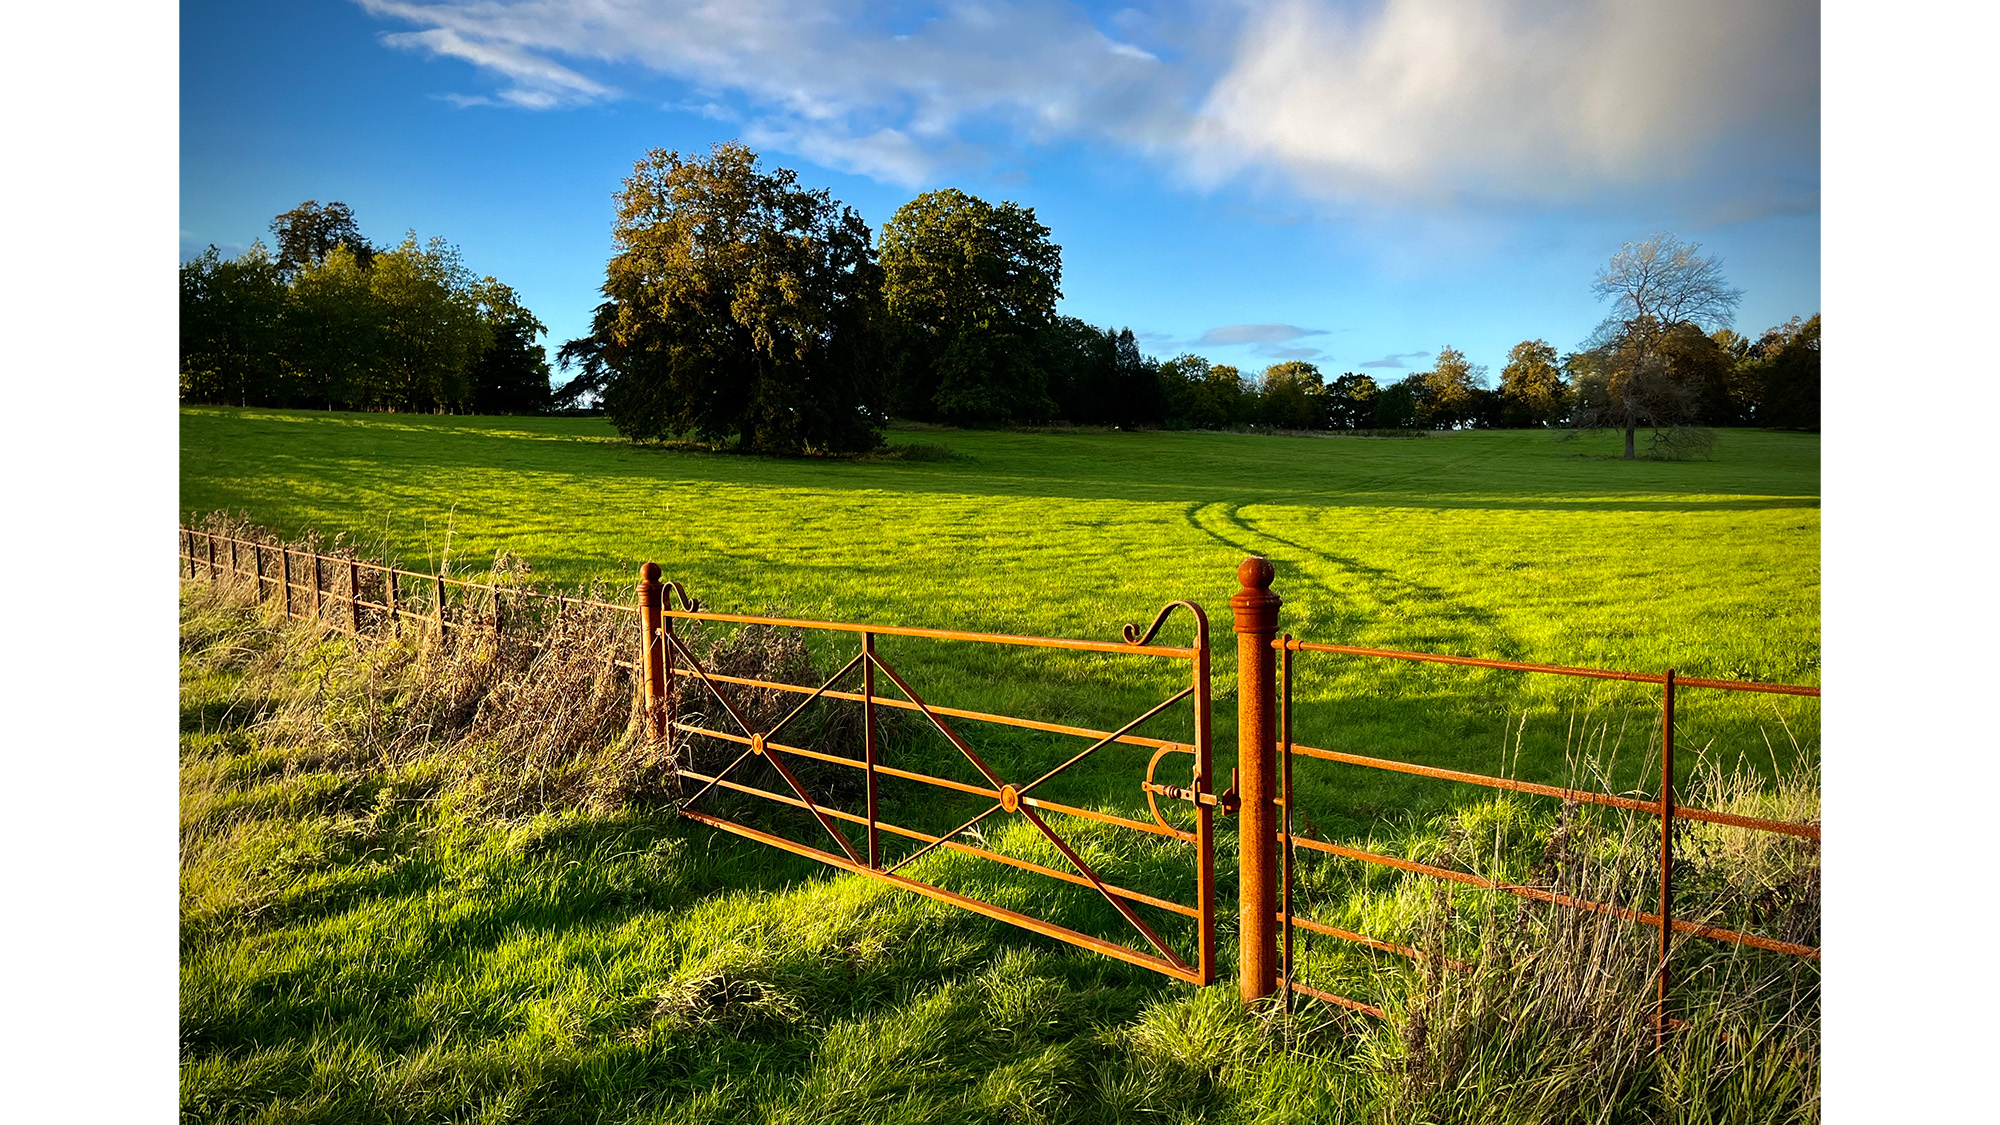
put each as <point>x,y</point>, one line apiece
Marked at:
<point>354,597</point>
<point>285,572</point>
<point>318,580</point>
<point>1256,611</point>
<point>655,647</point>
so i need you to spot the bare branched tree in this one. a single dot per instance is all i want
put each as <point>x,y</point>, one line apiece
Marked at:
<point>1658,287</point>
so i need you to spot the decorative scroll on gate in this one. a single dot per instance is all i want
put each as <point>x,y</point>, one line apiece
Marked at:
<point>671,658</point>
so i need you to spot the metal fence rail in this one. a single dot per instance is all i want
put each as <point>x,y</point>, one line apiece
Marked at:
<point>348,592</point>
<point>1664,806</point>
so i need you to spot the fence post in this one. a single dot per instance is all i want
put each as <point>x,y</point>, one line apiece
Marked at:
<point>440,605</point>
<point>1666,849</point>
<point>285,572</point>
<point>1256,610</point>
<point>655,649</point>
<point>210,537</point>
<point>868,747</point>
<point>354,597</point>
<point>318,580</point>
<point>257,560</point>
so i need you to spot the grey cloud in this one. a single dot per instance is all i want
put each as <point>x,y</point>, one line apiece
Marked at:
<point>1255,334</point>
<point>1437,100</point>
<point>1393,360</point>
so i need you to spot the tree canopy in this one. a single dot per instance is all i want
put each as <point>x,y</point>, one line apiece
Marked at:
<point>306,234</point>
<point>332,322</point>
<point>737,304</point>
<point>971,288</point>
<point>1532,389</point>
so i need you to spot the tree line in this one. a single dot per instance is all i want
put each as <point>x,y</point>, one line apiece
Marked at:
<point>330,320</point>
<point>742,307</point>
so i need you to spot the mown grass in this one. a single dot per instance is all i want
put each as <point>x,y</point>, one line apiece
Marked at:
<point>1501,544</point>
<point>386,917</point>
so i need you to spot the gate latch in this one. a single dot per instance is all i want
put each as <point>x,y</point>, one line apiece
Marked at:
<point>1225,802</point>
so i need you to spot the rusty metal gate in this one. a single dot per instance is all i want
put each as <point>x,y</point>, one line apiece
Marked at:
<point>670,659</point>
<point>1265,753</point>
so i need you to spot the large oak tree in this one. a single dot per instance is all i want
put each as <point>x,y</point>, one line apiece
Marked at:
<point>737,304</point>
<point>970,287</point>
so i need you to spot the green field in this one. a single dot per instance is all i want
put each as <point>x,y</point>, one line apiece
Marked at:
<point>1500,544</point>
<point>361,944</point>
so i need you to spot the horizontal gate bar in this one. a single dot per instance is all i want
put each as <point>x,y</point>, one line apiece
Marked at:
<point>940,782</point>
<point>952,712</point>
<point>1680,926</point>
<point>1000,913</point>
<point>1786,827</point>
<point>1553,669</point>
<point>969,849</point>
<point>938,634</point>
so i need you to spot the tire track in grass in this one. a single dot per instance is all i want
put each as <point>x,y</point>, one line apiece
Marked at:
<point>1330,597</point>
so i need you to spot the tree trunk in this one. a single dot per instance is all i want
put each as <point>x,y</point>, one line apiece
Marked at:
<point>1630,430</point>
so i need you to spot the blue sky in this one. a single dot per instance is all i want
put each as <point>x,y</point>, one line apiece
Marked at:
<point>1353,184</point>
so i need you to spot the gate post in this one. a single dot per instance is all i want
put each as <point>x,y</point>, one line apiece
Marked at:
<point>1256,609</point>
<point>654,662</point>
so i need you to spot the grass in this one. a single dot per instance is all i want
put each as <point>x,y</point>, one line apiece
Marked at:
<point>404,898</point>
<point>385,918</point>
<point>1500,544</point>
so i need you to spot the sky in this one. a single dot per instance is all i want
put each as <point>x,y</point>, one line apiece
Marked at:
<point>1353,184</point>
<point>321,106</point>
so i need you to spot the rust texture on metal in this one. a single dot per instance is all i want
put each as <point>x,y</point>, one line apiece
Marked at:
<point>1666,850</point>
<point>1256,616</point>
<point>653,644</point>
<point>1552,669</point>
<point>1665,807</point>
<point>1008,796</point>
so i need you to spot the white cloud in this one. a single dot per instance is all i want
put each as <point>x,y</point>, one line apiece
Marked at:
<point>1434,100</point>
<point>536,82</point>
<point>1407,102</point>
<point>824,79</point>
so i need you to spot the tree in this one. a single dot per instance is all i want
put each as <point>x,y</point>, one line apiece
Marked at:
<point>1451,390</point>
<point>1350,402</point>
<point>335,335</point>
<point>230,311</point>
<point>970,287</point>
<point>306,234</point>
<point>1788,374</point>
<point>1402,404</point>
<point>1532,389</point>
<point>512,375</point>
<point>1292,396</point>
<point>1201,395</point>
<point>737,303</point>
<point>1656,286</point>
<point>431,329</point>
